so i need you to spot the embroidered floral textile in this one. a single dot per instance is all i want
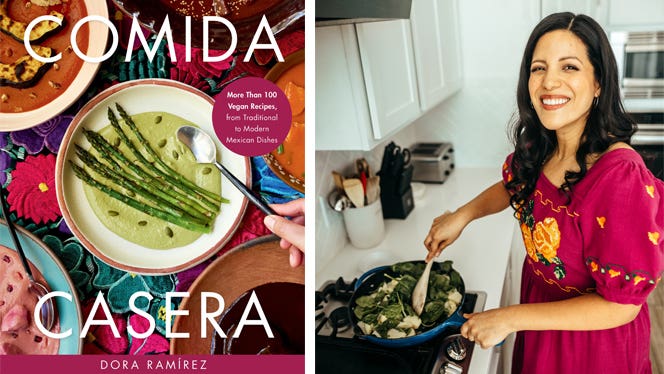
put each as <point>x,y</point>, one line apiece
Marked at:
<point>152,345</point>
<point>48,134</point>
<point>32,191</point>
<point>122,285</point>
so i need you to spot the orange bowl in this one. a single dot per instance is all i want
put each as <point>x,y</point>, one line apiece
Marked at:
<point>287,161</point>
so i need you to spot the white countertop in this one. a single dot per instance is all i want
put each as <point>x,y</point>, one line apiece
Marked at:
<point>480,254</point>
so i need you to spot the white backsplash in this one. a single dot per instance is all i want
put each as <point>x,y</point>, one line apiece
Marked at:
<point>330,230</point>
<point>475,121</point>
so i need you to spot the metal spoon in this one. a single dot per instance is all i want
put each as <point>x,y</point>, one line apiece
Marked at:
<point>338,201</point>
<point>47,312</point>
<point>205,152</point>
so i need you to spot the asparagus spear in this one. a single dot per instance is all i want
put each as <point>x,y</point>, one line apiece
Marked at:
<point>213,205</point>
<point>109,153</point>
<point>130,122</point>
<point>157,197</point>
<point>180,221</point>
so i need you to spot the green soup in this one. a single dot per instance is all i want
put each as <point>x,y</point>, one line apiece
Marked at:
<point>159,129</point>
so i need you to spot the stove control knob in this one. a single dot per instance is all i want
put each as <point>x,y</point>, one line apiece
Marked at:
<point>451,368</point>
<point>456,350</point>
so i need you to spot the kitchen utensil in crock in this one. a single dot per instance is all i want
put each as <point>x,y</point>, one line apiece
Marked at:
<point>354,191</point>
<point>369,282</point>
<point>205,152</point>
<point>373,189</point>
<point>47,311</point>
<point>362,167</point>
<point>338,180</point>
<point>338,201</point>
<point>419,295</point>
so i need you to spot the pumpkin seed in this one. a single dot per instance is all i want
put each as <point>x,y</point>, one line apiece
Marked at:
<point>113,213</point>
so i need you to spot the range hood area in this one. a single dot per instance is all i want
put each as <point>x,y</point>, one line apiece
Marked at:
<point>339,12</point>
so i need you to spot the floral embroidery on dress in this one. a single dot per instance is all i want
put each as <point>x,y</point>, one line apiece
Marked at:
<point>542,239</point>
<point>653,237</point>
<point>650,190</point>
<point>601,221</point>
<point>613,270</point>
<point>553,282</point>
<point>558,209</point>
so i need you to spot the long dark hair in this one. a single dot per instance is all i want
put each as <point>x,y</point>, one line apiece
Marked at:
<point>607,121</point>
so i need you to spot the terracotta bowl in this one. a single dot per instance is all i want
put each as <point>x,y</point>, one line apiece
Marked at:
<point>73,78</point>
<point>284,172</point>
<point>252,264</point>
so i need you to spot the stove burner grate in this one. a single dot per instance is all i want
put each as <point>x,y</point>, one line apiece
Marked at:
<point>339,350</point>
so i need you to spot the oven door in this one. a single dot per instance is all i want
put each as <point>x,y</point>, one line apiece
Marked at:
<point>640,59</point>
<point>644,65</point>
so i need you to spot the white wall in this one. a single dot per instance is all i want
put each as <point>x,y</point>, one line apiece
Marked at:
<point>476,119</point>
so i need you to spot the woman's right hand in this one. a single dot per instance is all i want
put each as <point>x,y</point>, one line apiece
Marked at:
<point>444,230</point>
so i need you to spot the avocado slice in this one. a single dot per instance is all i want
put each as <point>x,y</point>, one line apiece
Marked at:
<point>25,71</point>
<point>17,29</point>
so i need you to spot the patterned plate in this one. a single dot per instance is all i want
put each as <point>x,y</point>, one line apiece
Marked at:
<point>137,97</point>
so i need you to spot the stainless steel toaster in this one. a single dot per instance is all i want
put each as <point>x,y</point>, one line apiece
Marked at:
<point>433,162</point>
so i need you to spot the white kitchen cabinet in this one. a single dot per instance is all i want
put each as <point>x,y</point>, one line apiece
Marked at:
<point>342,110</point>
<point>366,87</point>
<point>375,78</point>
<point>389,74</point>
<point>636,14</point>
<point>435,25</point>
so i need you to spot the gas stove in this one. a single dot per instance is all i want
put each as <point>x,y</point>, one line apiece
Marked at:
<point>338,350</point>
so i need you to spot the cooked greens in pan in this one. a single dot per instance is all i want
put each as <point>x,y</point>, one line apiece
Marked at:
<point>387,312</point>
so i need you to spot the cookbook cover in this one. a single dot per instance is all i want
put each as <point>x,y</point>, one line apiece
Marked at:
<point>142,145</point>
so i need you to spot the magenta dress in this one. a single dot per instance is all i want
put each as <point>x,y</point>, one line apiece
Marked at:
<point>608,240</point>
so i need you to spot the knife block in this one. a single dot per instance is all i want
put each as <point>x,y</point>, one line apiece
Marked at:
<point>398,205</point>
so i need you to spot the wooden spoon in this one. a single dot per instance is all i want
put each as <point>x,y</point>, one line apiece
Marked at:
<point>373,189</point>
<point>338,180</point>
<point>354,191</point>
<point>419,295</point>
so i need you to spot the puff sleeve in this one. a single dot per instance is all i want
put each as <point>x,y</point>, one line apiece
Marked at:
<point>622,224</point>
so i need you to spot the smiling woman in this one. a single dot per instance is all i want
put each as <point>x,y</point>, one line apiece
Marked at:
<point>588,209</point>
<point>562,76</point>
